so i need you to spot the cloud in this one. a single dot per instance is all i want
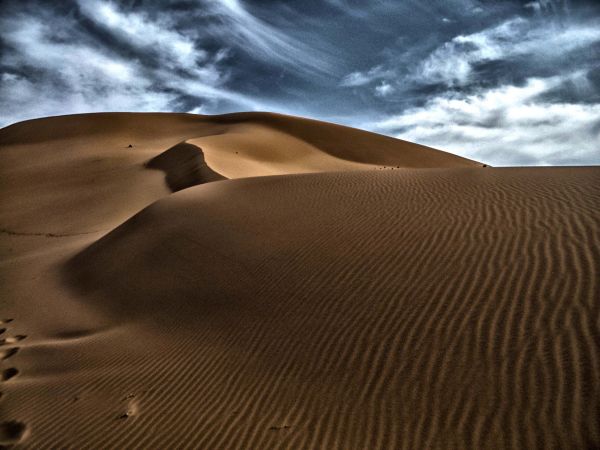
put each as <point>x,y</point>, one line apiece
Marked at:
<point>359,78</point>
<point>268,43</point>
<point>384,89</point>
<point>139,30</point>
<point>45,74</point>
<point>22,98</point>
<point>508,125</point>
<point>548,7</point>
<point>77,73</point>
<point>460,84</point>
<point>454,62</point>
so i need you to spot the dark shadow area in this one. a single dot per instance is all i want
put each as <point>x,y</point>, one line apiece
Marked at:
<point>74,334</point>
<point>184,166</point>
<point>11,432</point>
<point>9,373</point>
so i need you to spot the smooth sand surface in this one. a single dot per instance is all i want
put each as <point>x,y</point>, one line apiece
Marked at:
<point>373,293</point>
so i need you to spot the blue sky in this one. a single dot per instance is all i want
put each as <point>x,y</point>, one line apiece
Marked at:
<point>505,82</point>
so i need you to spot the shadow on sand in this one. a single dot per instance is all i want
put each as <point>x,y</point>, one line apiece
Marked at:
<point>184,166</point>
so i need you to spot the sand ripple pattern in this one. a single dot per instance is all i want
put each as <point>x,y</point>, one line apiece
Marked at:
<point>432,309</point>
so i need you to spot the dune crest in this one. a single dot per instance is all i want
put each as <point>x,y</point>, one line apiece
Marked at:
<point>95,162</point>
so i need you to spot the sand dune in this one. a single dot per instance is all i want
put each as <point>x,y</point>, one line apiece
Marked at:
<point>435,305</point>
<point>54,168</point>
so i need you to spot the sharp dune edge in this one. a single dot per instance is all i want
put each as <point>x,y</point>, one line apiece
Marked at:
<point>159,291</point>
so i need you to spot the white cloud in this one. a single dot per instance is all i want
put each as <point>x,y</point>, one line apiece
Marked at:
<point>76,64</point>
<point>144,33</point>
<point>171,48</point>
<point>356,79</point>
<point>548,6</point>
<point>73,75</point>
<point>508,125</point>
<point>363,78</point>
<point>452,63</point>
<point>22,99</point>
<point>268,43</point>
<point>384,89</point>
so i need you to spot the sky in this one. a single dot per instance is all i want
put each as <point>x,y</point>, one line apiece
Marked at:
<point>501,81</point>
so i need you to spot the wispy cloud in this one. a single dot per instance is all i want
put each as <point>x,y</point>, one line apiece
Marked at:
<point>384,89</point>
<point>454,62</point>
<point>44,74</point>
<point>488,95</point>
<point>72,75</point>
<point>505,125</point>
<point>363,78</point>
<point>139,30</point>
<point>264,41</point>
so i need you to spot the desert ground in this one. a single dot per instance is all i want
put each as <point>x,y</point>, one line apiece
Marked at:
<point>258,281</point>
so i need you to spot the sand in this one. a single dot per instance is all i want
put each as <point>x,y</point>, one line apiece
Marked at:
<point>263,281</point>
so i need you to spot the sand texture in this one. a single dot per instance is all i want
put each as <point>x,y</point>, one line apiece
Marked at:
<point>257,281</point>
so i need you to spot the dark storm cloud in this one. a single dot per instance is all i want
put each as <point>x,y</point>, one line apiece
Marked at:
<point>509,82</point>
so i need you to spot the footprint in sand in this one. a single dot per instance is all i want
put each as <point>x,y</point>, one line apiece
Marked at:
<point>12,339</point>
<point>9,373</point>
<point>132,407</point>
<point>5,354</point>
<point>12,432</point>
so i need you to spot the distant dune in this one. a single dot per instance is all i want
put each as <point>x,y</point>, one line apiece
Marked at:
<point>259,281</point>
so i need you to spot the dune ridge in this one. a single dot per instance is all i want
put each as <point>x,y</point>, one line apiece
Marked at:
<point>356,307</point>
<point>49,165</point>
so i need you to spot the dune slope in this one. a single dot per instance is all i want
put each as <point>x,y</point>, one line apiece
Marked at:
<point>361,307</point>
